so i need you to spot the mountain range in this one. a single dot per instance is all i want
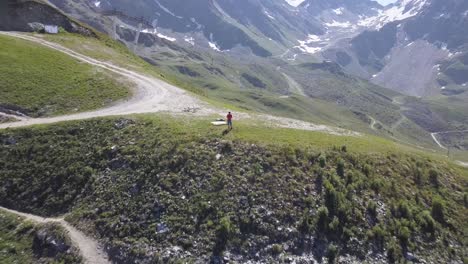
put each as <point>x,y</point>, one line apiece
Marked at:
<point>387,45</point>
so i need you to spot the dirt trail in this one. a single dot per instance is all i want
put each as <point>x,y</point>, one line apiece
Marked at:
<point>90,250</point>
<point>463,164</point>
<point>373,122</point>
<point>153,95</point>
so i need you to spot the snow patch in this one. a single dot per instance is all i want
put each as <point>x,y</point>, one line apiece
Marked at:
<point>165,37</point>
<point>401,10</point>
<point>155,32</point>
<point>312,38</point>
<point>97,3</point>
<point>304,48</point>
<point>346,24</point>
<point>338,11</point>
<point>304,45</point>
<point>293,58</point>
<point>213,46</point>
<point>190,40</point>
<point>268,15</point>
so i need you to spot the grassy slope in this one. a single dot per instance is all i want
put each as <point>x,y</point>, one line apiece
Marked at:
<point>220,92</point>
<point>44,82</point>
<point>17,242</point>
<point>217,90</point>
<point>126,179</point>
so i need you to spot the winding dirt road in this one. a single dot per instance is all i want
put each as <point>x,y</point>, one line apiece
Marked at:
<point>152,95</point>
<point>90,250</point>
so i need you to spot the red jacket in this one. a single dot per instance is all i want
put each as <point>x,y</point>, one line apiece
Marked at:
<point>229,117</point>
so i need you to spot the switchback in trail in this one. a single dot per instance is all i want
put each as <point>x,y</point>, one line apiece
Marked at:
<point>90,250</point>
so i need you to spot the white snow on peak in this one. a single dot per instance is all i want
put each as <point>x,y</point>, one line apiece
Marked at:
<point>306,45</point>
<point>155,32</point>
<point>401,10</point>
<point>346,24</point>
<point>166,37</point>
<point>149,31</point>
<point>268,15</point>
<point>338,11</point>
<point>295,3</point>
<point>97,3</point>
<point>190,40</point>
<point>312,38</point>
<point>213,46</point>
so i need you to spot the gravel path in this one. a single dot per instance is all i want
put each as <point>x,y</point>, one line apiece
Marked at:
<point>90,250</point>
<point>150,95</point>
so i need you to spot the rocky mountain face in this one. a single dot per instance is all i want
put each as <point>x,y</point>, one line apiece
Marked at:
<point>419,38</point>
<point>261,26</point>
<point>387,45</point>
<point>30,16</point>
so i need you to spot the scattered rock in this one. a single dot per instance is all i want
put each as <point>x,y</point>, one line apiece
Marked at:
<point>36,27</point>
<point>10,141</point>
<point>46,244</point>
<point>123,123</point>
<point>162,228</point>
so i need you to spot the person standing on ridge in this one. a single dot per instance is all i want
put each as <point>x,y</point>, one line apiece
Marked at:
<point>229,120</point>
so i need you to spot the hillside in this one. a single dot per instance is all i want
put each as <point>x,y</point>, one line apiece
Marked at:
<point>38,81</point>
<point>108,152</point>
<point>180,191</point>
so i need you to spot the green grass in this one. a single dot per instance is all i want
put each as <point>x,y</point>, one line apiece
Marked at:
<point>127,178</point>
<point>223,91</point>
<point>15,246</point>
<point>42,82</point>
<point>18,244</point>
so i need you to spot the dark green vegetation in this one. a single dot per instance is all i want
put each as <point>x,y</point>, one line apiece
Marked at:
<point>24,242</point>
<point>155,188</point>
<point>39,81</point>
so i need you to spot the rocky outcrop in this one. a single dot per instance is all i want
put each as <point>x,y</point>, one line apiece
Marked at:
<point>31,16</point>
